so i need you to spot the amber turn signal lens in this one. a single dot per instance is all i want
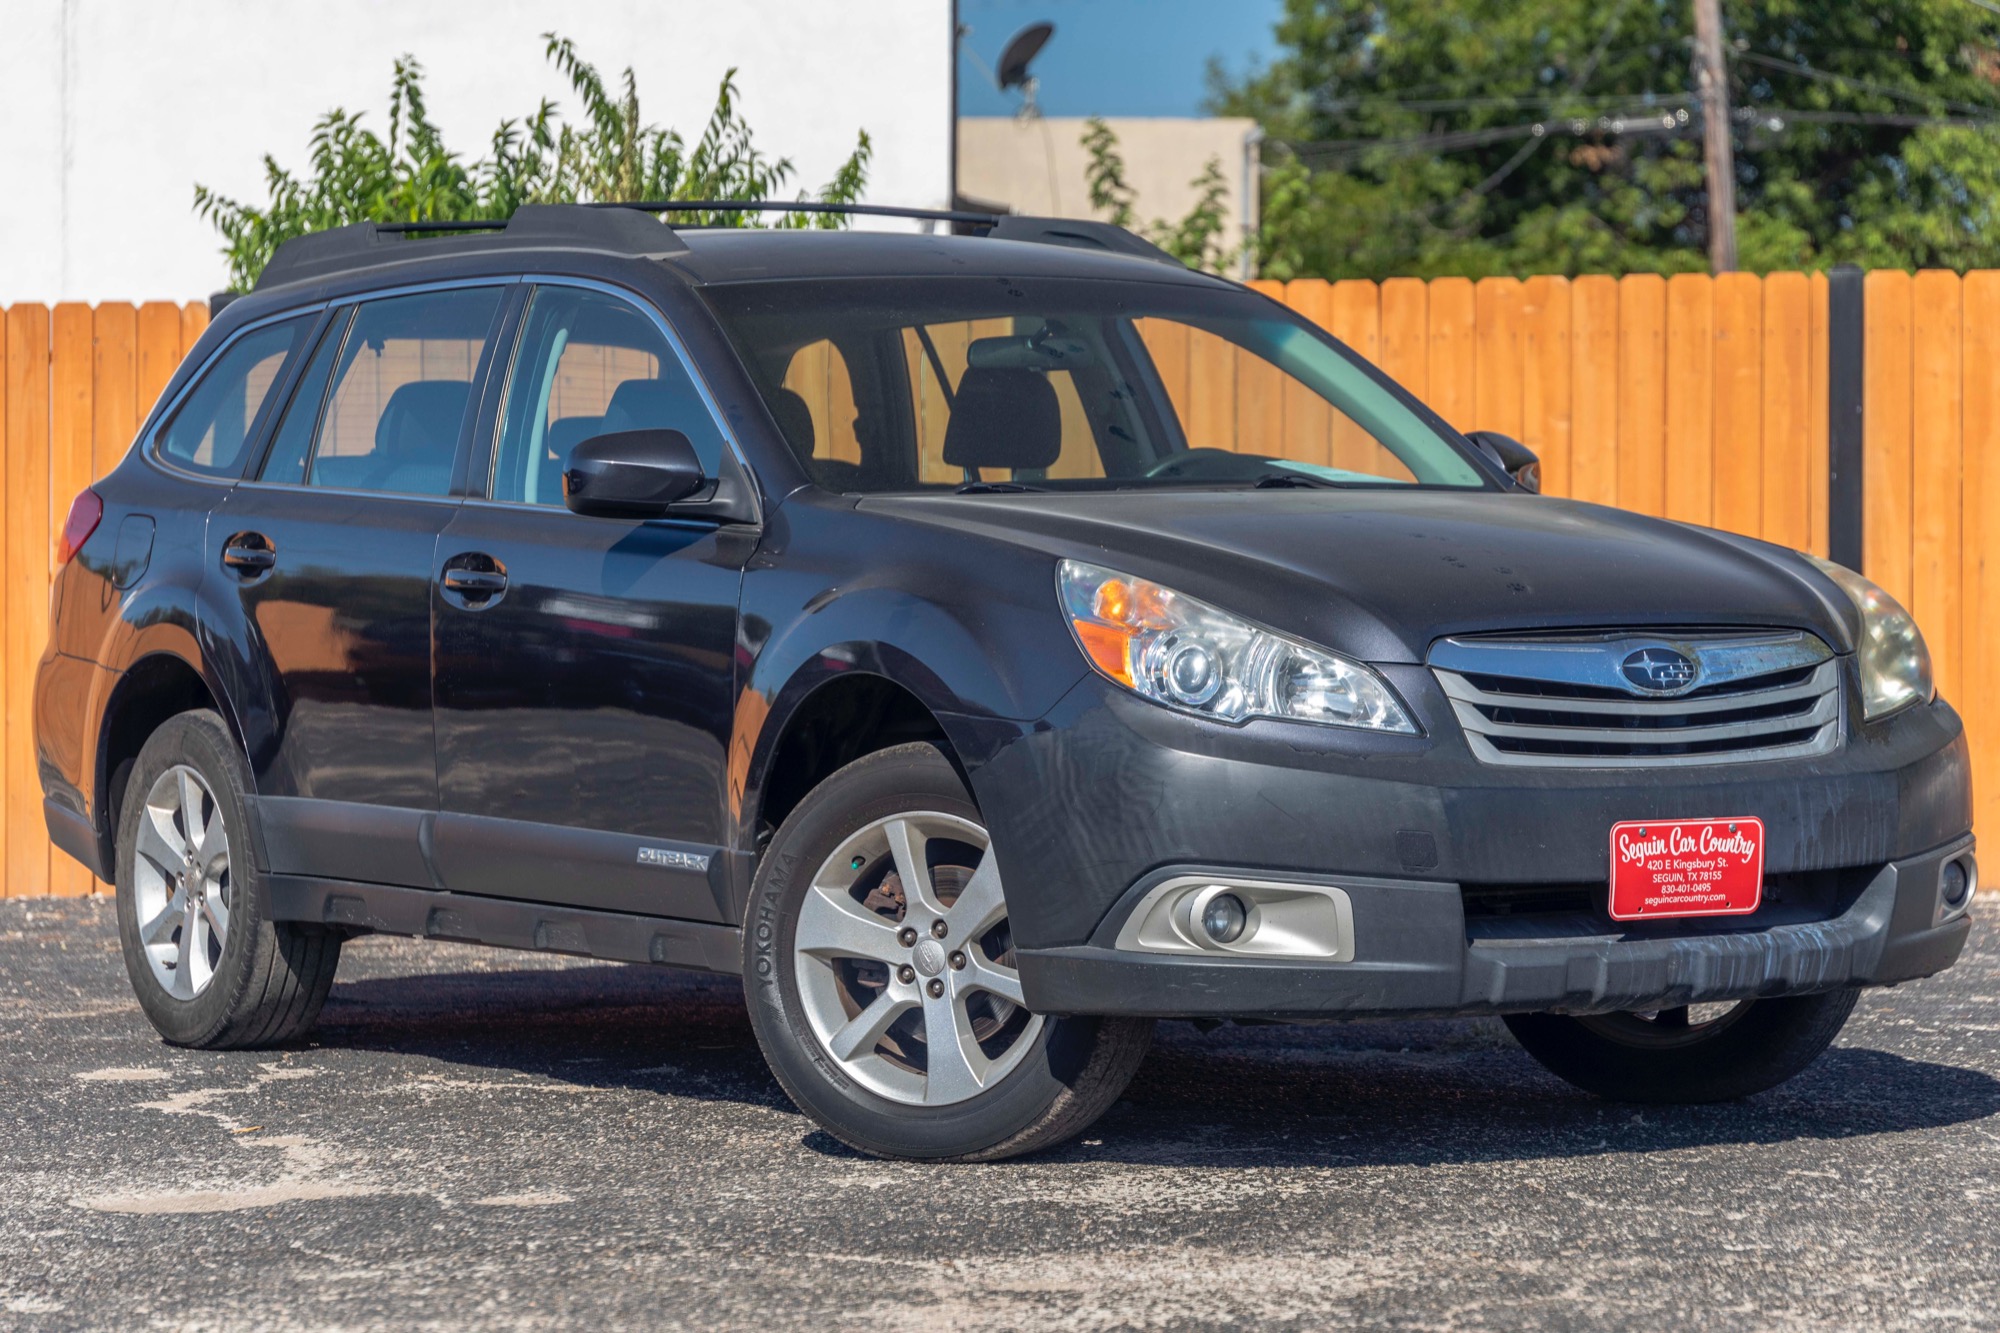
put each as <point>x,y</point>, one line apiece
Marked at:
<point>1110,648</point>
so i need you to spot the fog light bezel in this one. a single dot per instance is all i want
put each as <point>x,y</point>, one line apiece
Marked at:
<point>1950,911</point>
<point>1282,919</point>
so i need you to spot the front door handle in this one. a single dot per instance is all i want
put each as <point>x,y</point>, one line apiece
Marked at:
<point>249,554</point>
<point>473,581</point>
<point>476,582</point>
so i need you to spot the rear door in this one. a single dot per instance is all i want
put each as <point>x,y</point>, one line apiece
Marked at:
<point>586,666</point>
<point>327,557</point>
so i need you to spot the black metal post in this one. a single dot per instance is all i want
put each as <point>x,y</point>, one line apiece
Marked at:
<point>1846,317</point>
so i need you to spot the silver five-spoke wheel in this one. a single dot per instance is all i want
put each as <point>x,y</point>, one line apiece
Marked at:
<point>181,882</point>
<point>905,963</point>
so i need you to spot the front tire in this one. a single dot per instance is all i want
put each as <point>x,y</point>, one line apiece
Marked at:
<point>209,967</point>
<point>1675,1056</point>
<point>878,965</point>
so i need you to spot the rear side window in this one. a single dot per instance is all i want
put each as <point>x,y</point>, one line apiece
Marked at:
<point>211,429</point>
<point>400,388</point>
<point>589,364</point>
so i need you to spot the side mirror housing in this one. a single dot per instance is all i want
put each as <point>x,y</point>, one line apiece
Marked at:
<point>1517,460</point>
<point>631,474</point>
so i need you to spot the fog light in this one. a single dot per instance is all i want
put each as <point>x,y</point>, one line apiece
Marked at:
<point>1224,917</point>
<point>1955,883</point>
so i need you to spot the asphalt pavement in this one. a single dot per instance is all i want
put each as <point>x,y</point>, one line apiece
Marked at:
<point>479,1139</point>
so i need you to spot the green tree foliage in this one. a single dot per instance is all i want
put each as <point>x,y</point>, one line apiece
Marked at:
<point>1471,137</point>
<point>1196,240</point>
<point>355,175</point>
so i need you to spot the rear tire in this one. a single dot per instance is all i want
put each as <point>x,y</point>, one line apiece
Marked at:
<point>881,994</point>
<point>209,967</point>
<point>1664,1058</point>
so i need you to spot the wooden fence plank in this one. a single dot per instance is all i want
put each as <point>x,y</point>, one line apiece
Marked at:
<point>159,350</point>
<point>1937,406</point>
<point>1886,425</point>
<point>1787,411</point>
<point>69,473</point>
<point>1406,335</point>
<point>194,319</point>
<point>1497,376</point>
<point>26,583</point>
<point>1211,412</point>
<point>1453,351</point>
<point>1308,417</point>
<point>1817,401</point>
<point>1545,382</point>
<point>114,384</point>
<point>1690,445</point>
<point>1739,402</point>
<point>1356,313</point>
<point>1979,671</point>
<point>1642,393</point>
<point>1594,389</point>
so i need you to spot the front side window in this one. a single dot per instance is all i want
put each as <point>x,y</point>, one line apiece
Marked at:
<point>210,431</point>
<point>1073,384</point>
<point>589,364</point>
<point>400,388</point>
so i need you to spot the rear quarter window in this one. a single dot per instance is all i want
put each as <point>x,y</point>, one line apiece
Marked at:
<point>210,431</point>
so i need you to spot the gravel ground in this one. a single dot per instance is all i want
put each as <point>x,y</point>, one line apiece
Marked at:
<point>479,1139</point>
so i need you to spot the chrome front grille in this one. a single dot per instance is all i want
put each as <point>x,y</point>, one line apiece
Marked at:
<point>1567,701</point>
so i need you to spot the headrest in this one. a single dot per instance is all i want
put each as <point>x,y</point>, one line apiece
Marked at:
<point>566,433</point>
<point>795,420</point>
<point>421,419</point>
<point>645,405</point>
<point>1003,418</point>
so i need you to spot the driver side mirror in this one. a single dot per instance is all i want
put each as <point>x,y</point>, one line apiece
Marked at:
<point>631,474</point>
<point>1517,460</point>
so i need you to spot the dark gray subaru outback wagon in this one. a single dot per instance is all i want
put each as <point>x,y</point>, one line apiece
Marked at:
<point>891,620</point>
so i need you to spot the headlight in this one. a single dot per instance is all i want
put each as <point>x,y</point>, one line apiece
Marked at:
<point>1186,654</point>
<point>1895,664</point>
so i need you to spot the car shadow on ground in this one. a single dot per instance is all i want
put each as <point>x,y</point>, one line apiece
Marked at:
<point>1353,1094</point>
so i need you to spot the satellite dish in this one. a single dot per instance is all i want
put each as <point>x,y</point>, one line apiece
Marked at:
<point>1020,51</point>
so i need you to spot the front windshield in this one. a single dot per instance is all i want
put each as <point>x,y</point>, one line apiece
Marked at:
<point>1041,384</point>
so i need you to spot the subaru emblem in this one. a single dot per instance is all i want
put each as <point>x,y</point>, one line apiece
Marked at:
<point>1659,670</point>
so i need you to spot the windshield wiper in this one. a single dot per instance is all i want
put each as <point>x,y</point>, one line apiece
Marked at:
<point>995,488</point>
<point>1276,481</point>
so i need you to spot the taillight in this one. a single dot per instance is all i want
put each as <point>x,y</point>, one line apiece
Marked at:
<point>85,512</point>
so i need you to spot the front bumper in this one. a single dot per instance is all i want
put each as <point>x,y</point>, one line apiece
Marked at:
<point>1416,954</point>
<point>1109,794</point>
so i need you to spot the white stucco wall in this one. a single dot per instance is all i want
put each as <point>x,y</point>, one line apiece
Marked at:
<point>111,110</point>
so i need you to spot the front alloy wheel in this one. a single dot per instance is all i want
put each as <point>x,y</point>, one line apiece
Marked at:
<point>905,965</point>
<point>878,962</point>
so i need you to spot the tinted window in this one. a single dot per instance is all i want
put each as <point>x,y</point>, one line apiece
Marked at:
<point>293,443</point>
<point>401,388</point>
<point>1079,384</point>
<point>209,431</point>
<point>589,364</point>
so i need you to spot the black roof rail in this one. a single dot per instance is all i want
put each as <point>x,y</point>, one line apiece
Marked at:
<point>615,231</point>
<point>1082,233</point>
<point>624,229</point>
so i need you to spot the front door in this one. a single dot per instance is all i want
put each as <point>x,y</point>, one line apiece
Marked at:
<point>586,666</point>
<point>328,553</point>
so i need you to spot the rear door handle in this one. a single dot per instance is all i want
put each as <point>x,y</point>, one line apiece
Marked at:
<point>249,554</point>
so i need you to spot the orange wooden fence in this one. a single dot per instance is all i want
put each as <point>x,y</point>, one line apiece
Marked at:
<point>1697,398</point>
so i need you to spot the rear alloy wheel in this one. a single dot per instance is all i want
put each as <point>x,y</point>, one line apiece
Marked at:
<point>1698,1053</point>
<point>208,965</point>
<point>879,967</point>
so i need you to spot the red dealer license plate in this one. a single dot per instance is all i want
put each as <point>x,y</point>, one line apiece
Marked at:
<point>1686,867</point>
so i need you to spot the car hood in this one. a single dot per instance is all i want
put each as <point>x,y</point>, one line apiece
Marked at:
<point>1381,575</point>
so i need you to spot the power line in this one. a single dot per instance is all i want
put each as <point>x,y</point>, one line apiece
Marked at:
<point>1866,85</point>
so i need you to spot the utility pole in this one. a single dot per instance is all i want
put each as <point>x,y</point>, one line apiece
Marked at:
<point>1711,81</point>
